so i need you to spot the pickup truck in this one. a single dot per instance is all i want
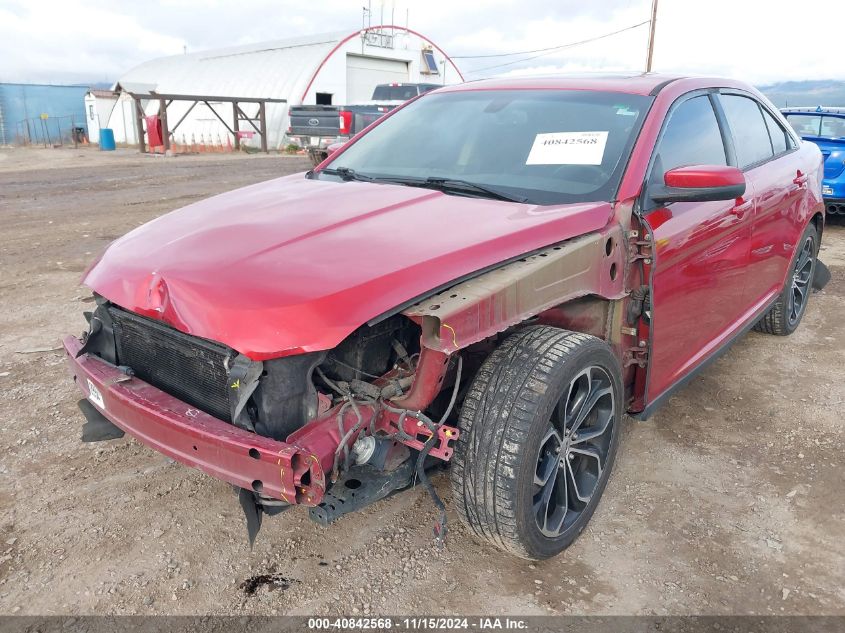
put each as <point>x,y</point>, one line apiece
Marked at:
<point>315,127</point>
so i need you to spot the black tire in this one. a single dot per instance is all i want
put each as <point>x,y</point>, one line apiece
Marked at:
<point>513,424</point>
<point>783,318</point>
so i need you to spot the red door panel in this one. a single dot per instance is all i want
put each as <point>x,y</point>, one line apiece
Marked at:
<point>781,188</point>
<point>700,262</point>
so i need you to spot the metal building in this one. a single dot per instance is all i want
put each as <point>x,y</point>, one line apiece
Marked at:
<point>331,69</point>
<point>39,113</point>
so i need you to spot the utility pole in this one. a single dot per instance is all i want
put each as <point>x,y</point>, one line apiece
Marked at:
<point>651,26</point>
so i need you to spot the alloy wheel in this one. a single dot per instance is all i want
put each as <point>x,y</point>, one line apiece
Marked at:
<point>574,451</point>
<point>801,278</point>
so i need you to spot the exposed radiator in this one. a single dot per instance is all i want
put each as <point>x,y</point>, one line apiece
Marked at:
<point>186,367</point>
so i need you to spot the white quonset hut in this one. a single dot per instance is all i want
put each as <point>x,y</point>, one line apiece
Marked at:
<point>329,69</point>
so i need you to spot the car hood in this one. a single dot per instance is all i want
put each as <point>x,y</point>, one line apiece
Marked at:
<point>294,265</point>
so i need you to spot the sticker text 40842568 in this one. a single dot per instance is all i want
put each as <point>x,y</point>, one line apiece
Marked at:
<point>568,148</point>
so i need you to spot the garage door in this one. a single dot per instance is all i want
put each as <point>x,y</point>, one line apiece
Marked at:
<point>365,73</point>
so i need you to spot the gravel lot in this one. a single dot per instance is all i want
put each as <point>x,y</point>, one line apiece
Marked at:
<point>728,501</point>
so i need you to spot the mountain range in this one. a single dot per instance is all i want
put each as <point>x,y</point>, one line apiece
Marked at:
<point>805,93</point>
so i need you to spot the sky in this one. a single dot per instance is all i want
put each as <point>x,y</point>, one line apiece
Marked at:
<point>759,41</point>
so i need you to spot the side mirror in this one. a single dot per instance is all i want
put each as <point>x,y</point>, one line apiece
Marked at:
<point>699,183</point>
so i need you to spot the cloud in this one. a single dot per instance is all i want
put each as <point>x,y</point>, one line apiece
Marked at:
<point>45,41</point>
<point>749,39</point>
<point>756,40</point>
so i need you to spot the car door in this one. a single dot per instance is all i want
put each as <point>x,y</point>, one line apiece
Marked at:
<point>700,250</point>
<point>765,153</point>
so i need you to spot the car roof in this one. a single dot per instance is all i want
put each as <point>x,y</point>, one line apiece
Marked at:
<point>815,110</point>
<point>632,83</point>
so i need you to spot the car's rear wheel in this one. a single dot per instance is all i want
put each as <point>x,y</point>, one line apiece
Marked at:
<point>539,431</point>
<point>786,313</point>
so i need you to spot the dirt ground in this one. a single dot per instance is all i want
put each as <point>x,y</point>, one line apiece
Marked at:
<point>728,501</point>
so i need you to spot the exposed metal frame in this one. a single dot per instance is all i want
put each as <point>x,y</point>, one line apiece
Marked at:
<point>164,100</point>
<point>475,309</point>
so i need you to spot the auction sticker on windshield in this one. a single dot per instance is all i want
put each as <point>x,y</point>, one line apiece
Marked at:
<point>568,148</point>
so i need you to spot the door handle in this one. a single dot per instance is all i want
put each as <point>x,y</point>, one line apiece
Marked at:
<point>800,179</point>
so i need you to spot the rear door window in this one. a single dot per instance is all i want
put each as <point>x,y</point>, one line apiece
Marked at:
<point>751,136</point>
<point>691,137</point>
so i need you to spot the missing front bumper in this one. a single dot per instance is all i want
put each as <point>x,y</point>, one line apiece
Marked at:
<point>197,439</point>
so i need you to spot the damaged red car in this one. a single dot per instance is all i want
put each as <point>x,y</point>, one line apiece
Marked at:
<point>489,277</point>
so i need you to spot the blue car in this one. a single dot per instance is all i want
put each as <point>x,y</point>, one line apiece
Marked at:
<point>826,128</point>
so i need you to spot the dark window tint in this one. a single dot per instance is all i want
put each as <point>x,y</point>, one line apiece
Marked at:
<point>691,137</point>
<point>779,138</point>
<point>751,138</point>
<point>805,125</point>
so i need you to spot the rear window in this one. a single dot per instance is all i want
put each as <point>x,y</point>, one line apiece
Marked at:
<point>394,93</point>
<point>805,124</point>
<point>833,127</point>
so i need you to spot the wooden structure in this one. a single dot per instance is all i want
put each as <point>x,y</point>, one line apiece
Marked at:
<point>164,100</point>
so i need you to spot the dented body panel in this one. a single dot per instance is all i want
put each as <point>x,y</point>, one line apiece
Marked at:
<point>194,437</point>
<point>295,471</point>
<point>490,303</point>
<point>295,265</point>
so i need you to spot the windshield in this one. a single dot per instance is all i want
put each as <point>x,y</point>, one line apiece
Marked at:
<point>543,146</point>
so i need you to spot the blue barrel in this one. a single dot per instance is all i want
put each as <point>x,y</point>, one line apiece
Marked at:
<point>107,139</point>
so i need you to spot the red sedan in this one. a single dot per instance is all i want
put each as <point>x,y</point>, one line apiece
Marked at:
<point>490,276</point>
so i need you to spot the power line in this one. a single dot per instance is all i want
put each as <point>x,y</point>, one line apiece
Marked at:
<point>542,50</point>
<point>539,50</point>
<point>545,51</point>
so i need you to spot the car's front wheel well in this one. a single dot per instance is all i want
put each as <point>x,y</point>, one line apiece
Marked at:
<point>589,314</point>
